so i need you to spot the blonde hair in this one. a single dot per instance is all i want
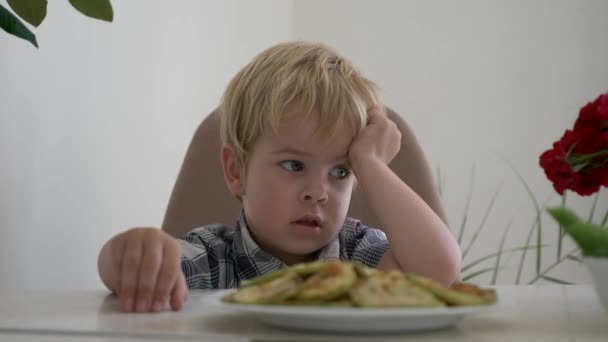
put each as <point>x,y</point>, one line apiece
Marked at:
<point>310,75</point>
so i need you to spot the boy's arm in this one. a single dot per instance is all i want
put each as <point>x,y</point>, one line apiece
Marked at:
<point>419,240</point>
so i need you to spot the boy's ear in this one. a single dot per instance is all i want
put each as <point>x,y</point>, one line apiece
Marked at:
<point>232,171</point>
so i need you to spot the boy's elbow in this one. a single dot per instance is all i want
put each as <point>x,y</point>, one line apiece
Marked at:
<point>450,270</point>
<point>452,273</point>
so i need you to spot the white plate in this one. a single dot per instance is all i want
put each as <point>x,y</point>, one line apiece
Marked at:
<point>360,320</point>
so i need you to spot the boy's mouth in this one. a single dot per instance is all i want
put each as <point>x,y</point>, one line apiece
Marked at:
<point>309,220</point>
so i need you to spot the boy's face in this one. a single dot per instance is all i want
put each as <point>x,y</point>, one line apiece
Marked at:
<point>297,189</point>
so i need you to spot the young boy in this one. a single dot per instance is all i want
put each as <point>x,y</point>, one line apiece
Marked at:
<point>298,124</point>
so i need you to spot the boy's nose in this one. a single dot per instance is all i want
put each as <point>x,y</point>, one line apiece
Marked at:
<point>314,193</point>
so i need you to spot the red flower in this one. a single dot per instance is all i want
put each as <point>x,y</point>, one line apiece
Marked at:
<point>588,181</point>
<point>555,163</point>
<point>592,126</point>
<point>579,160</point>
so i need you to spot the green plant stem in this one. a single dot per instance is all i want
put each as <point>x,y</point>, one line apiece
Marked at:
<point>500,249</point>
<point>575,258</point>
<point>550,267</point>
<point>523,255</point>
<point>605,219</point>
<point>475,274</point>
<point>538,218</point>
<point>494,255</point>
<point>555,280</point>
<point>578,158</point>
<point>465,216</point>
<point>592,211</point>
<point>483,222</point>
<point>562,233</point>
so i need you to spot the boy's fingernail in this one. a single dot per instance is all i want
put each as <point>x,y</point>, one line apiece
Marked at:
<point>127,305</point>
<point>142,305</point>
<point>157,306</point>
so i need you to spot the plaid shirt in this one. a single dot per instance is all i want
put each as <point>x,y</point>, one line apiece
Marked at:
<point>218,257</point>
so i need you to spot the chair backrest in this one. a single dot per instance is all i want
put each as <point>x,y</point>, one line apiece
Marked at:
<point>200,195</point>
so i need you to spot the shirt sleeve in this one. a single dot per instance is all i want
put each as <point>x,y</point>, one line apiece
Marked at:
<point>201,262</point>
<point>365,245</point>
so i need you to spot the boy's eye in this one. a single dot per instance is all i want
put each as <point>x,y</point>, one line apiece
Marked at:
<point>340,172</point>
<point>292,165</point>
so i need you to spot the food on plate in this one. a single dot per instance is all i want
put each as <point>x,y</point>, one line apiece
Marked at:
<point>457,294</point>
<point>387,289</point>
<point>335,283</point>
<point>302,269</point>
<point>332,281</point>
<point>272,291</point>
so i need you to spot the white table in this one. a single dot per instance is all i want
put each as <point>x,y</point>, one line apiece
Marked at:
<point>552,313</point>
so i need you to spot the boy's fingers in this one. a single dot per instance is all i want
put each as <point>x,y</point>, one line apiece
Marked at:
<point>179,292</point>
<point>149,266</point>
<point>117,246</point>
<point>373,113</point>
<point>129,272</point>
<point>167,276</point>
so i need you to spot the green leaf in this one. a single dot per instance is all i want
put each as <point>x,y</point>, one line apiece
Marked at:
<point>98,9</point>
<point>32,11</point>
<point>564,216</point>
<point>11,24</point>
<point>591,238</point>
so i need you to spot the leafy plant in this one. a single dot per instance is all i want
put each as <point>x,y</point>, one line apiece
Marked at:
<point>495,262</point>
<point>34,12</point>
<point>579,162</point>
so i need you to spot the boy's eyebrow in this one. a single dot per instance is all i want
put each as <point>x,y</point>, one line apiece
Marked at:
<point>289,150</point>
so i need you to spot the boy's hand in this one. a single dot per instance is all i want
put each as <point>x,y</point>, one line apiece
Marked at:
<point>146,270</point>
<point>379,141</point>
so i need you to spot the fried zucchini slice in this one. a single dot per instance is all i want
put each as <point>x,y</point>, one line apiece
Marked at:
<point>487,296</point>
<point>302,269</point>
<point>364,271</point>
<point>342,302</point>
<point>458,294</point>
<point>333,280</point>
<point>391,289</point>
<point>273,291</point>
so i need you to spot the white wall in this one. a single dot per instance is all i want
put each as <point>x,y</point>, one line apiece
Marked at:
<point>483,83</point>
<point>94,124</point>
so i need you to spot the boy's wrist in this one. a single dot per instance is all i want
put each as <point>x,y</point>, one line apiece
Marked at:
<point>359,163</point>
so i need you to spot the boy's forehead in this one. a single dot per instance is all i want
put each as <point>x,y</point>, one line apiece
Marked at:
<point>297,115</point>
<point>301,134</point>
<point>312,127</point>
